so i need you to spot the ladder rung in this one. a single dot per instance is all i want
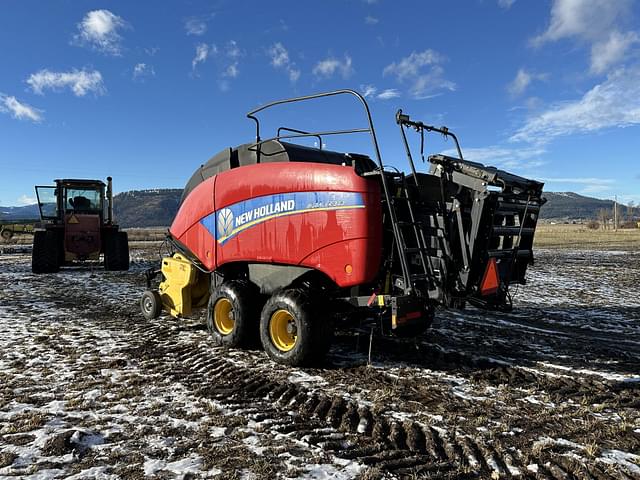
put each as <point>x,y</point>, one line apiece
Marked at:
<point>504,207</point>
<point>515,230</point>
<point>415,250</point>
<point>420,276</point>
<point>507,253</point>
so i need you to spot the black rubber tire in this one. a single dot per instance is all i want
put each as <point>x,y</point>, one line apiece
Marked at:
<point>151,304</point>
<point>314,333</point>
<point>45,253</point>
<point>6,234</point>
<point>244,297</point>
<point>116,252</point>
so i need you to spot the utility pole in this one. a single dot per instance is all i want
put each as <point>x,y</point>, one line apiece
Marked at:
<point>615,214</point>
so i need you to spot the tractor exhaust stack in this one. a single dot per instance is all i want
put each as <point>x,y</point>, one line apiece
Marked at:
<point>110,200</point>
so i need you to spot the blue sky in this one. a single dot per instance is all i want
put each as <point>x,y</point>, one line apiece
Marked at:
<point>147,91</point>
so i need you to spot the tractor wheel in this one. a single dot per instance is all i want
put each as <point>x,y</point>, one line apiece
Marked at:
<point>292,331</point>
<point>151,304</point>
<point>6,234</point>
<point>45,253</point>
<point>116,252</point>
<point>232,314</point>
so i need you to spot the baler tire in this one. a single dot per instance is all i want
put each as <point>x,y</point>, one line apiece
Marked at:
<point>240,298</point>
<point>45,253</point>
<point>6,234</point>
<point>116,252</point>
<point>312,338</point>
<point>151,304</point>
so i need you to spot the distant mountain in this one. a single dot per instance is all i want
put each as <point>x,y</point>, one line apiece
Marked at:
<point>27,212</point>
<point>137,208</point>
<point>146,208</point>
<point>156,208</point>
<point>572,206</point>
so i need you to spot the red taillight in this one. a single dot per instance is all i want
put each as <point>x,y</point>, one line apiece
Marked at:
<point>491,279</point>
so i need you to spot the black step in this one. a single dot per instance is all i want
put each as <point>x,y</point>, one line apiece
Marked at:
<point>516,207</point>
<point>420,276</point>
<point>508,253</point>
<point>514,231</point>
<point>403,223</point>
<point>415,250</point>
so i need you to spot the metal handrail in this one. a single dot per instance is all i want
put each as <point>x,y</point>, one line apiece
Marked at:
<point>408,287</point>
<point>293,130</point>
<point>404,120</point>
<point>304,135</point>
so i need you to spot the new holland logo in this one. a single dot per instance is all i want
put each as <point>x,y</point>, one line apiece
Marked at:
<point>225,222</point>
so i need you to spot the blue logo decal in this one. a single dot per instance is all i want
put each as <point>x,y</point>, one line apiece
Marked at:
<point>233,219</point>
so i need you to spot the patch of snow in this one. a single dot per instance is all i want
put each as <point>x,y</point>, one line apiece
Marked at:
<point>606,375</point>
<point>152,466</point>
<point>304,378</point>
<point>628,460</point>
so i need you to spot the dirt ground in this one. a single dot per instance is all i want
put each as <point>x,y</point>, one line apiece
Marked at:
<point>90,389</point>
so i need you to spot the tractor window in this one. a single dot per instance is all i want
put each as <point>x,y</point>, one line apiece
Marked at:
<point>47,202</point>
<point>82,200</point>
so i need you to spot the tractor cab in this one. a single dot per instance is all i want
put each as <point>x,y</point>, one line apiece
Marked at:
<point>71,196</point>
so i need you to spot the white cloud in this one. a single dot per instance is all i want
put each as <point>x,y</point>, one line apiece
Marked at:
<point>370,91</point>
<point>19,110</point>
<point>506,4</point>
<point>232,50</point>
<point>197,25</point>
<point>522,80</point>
<point>369,20</point>
<point>294,75</point>
<point>586,19</point>
<point>612,103</point>
<point>26,200</point>
<point>422,72</point>
<point>142,70</point>
<point>388,94</point>
<point>203,51</point>
<point>611,50</point>
<point>329,66</point>
<point>232,70</point>
<point>99,29</point>
<point>80,82</point>
<point>503,157</point>
<point>588,185</point>
<point>280,59</point>
<point>594,22</point>
<point>279,55</point>
<point>227,61</point>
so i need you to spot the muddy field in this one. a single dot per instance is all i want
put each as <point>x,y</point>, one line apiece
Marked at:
<point>90,389</point>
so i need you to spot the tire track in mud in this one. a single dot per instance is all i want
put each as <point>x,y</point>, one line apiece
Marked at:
<point>340,425</point>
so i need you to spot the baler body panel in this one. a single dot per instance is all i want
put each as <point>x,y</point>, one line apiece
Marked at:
<point>320,216</point>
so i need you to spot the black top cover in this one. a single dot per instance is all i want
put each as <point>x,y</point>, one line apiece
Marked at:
<point>272,151</point>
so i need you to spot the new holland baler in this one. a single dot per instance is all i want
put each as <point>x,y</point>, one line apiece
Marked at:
<point>278,241</point>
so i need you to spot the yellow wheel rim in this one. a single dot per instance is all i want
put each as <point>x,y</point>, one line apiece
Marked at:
<point>223,317</point>
<point>283,331</point>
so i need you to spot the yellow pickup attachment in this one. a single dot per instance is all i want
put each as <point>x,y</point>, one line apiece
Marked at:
<point>184,287</point>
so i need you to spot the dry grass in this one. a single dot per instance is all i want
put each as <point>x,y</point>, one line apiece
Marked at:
<point>579,236</point>
<point>547,236</point>
<point>154,234</point>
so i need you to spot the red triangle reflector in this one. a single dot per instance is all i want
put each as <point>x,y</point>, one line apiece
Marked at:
<point>491,279</point>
